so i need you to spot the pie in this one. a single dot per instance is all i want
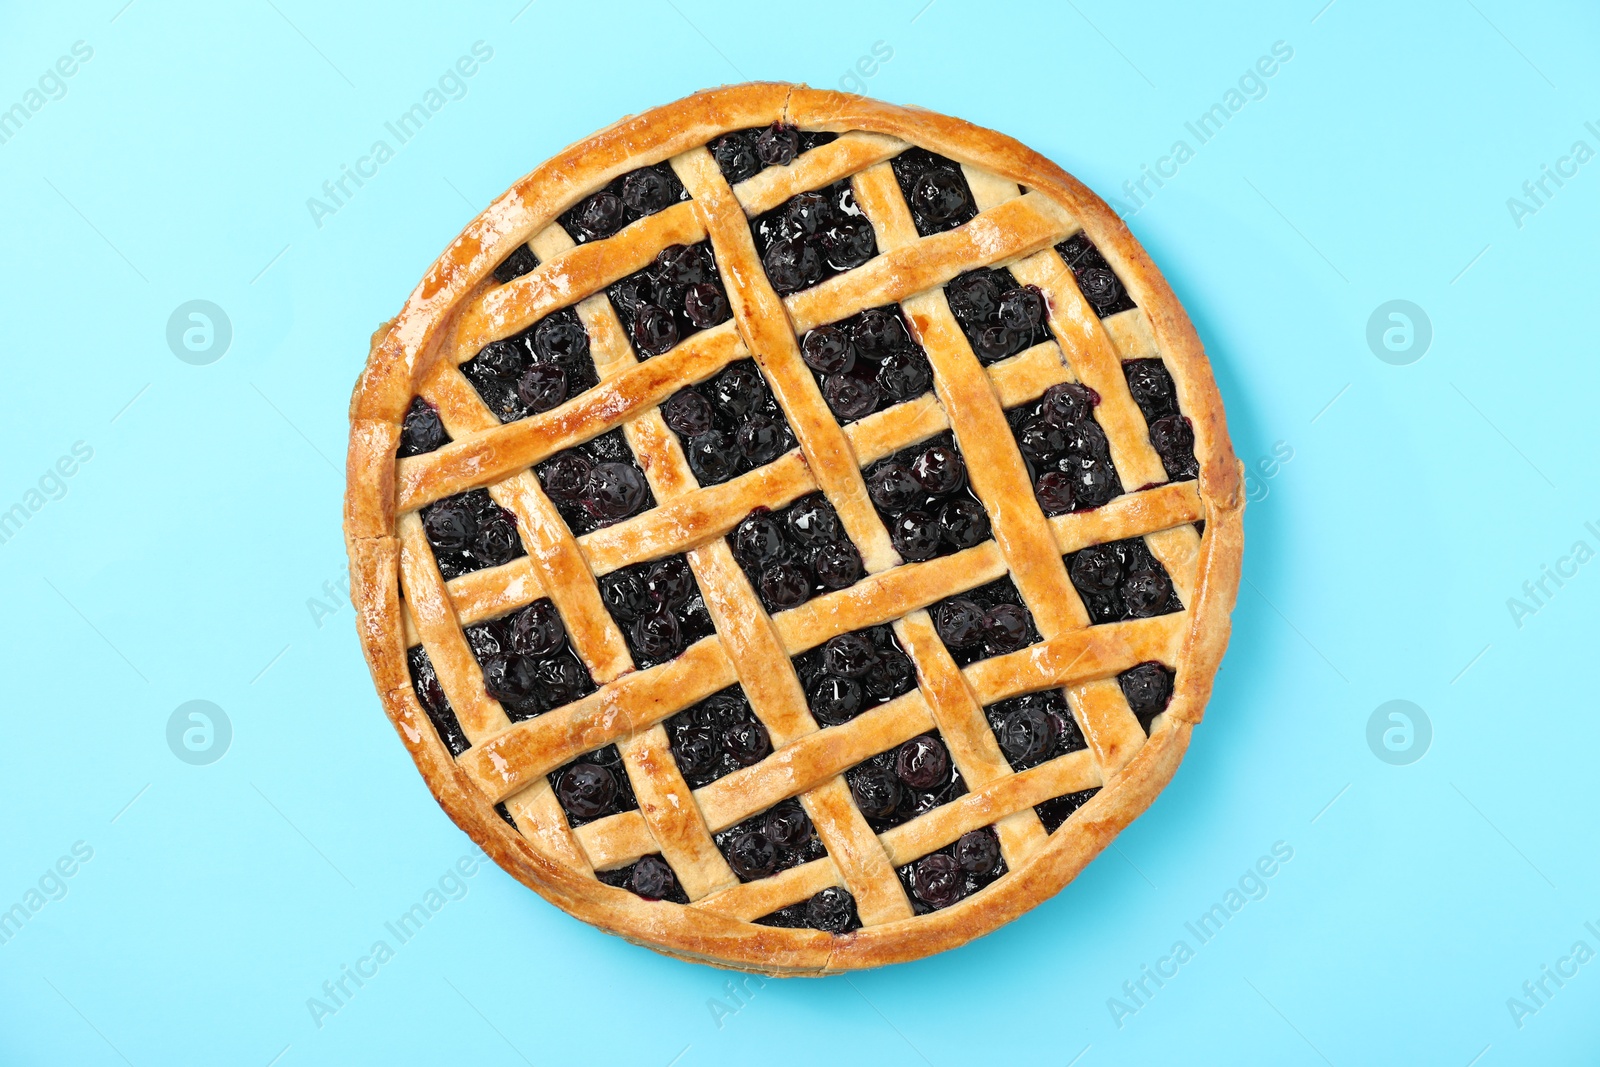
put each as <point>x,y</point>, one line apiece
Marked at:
<point>793,532</point>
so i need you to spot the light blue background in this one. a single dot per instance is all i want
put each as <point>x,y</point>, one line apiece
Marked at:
<point>180,562</point>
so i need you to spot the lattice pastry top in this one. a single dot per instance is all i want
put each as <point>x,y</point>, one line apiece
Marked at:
<point>791,531</point>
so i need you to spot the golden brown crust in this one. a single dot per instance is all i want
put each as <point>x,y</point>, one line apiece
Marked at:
<point>452,310</point>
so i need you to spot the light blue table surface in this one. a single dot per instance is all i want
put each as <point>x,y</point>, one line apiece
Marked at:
<point>193,552</point>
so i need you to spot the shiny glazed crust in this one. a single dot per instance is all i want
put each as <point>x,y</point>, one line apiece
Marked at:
<point>457,308</point>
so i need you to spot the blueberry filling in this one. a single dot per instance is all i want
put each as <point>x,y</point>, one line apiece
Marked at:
<point>833,911</point>
<point>1148,688</point>
<point>675,297</point>
<point>1096,280</point>
<point>813,236</point>
<point>771,841</point>
<point>593,786</point>
<point>729,424</point>
<point>515,265</point>
<point>1034,728</point>
<point>421,431</point>
<point>955,872</point>
<point>866,363</point>
<point>990,620</point>
<point>658,607</point>
<point>527,664</point>
<point>922,495</point>
<point>743,154</point>
<point>935,189</point>
<point>650,877</point>
<point>596,484</point>
<point>999,316</point>
<point>716,737</point>
<point>898,785</point>
<point>534,370</point>
<point>853,672</point>
<point>795,554</point>
<point>1065,450</point>
<point>1171,433</point>
<point>1057,811</point>
<point>1121,580</point>
<point>469,532</point>
<point>504,812</point>
<point>430,694</point>
<point>627,199</point>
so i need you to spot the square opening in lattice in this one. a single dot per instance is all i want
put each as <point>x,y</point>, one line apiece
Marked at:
<point>1058,810</point>
<point>527,663</point>
<point>430,694</point>
<point>593,786</point>
<point>866,363</point>
<point>1034,728</point>
<point>1096,280</point>
<point>1148,689</point>
<point>854,672</point>
<point>1122,580</point>
<point>596,484</point>
<point>912,779</point>
<point>812,237</point>
<point>742,154</point>
<point>990,620</point>
<point>671,300</point>
<point>421,431</point>
<point>521,261</point>
<point>469,532</point>
<point>1171,432</point>
<point>650,877</point>
<point>923,497</point>
<point>935,190</point>
<point>797,553</point>
<point>717,736</point>
<point>627,199</point>
<point>1066,452</point>
<point>770,841</point>
<point>534,370</point>
<point>999,316</point>
<point>658,607</point>
<point>831,910</point>
<point>954,872</point>
<point>729,424</point>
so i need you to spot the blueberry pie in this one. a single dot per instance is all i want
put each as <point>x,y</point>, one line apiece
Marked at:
<point>793,532</point>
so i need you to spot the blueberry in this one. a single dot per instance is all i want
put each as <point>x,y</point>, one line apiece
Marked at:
<point>561,680</point>
<point>787,826</point>
<point>1021,309</point>
<point>963,523</point>
<point>995,343</point>
<point>624,595</point>
<point>542,387</point>
<point>670,583</point>
<point>519,262</point>
<point>922,763</point>
<point>828,350</point>
<point>496,542</point>
<point>973,297</point>
<point>705,305</point>
<point>509,677</point>
<point>814,522</point>
<point>1100,287</point>
<point>778,144</point>
<point>1025,733</point>
<point>1096,570</point>
<point>601,215</point>
<point>449,526</point>
<point>654,329</point>
<point>537,629</point>
<point>1094,482</point>
<point>752,856</point>
<point>1146,593</point>
<point>939,470</point>
<point>657,636</point>
<point>1005,628</point>
<point>831,911</point>
<point>586,790</point>
<point>785,585</point>
<point>712,458</point>
<point>758,540</point>
<point>1173,438</point>
<point>849,656</point>
<point>915,535</point>
<point>1151,386</point>
<point>959,622</point>
<point>1041,441</point>
<point>891,676</point>
<point>850,397</point>
<point>834,700</point>
<point>936,880</point>
<point>807,214</point>
<point>849,243</point>
<point>687,413</point>
<point>978,851</point>
<point>1085,438</point>
<point>878,332</point>
<point>694,746</point>
<point>876,791</point>
<point>760,440</point>
<point>792,265</point>
<point>740,389</point>
<point>421,431</point>
<point>747,742</point>
<point>891,486</point>
<point>1148,688</point>
<point>837,565</point>
<point>903,375</point>
<point>1067,403</point>
<point>501,359</point>
<point>646,191</point>
<point>652,879</point>
<point>560,340</point>
<point>680,265</point>
<point>565,475</point>
<point>940,194</point>
<point>1054,490</point>
<point>615,491</point>
<point>736,156</point>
